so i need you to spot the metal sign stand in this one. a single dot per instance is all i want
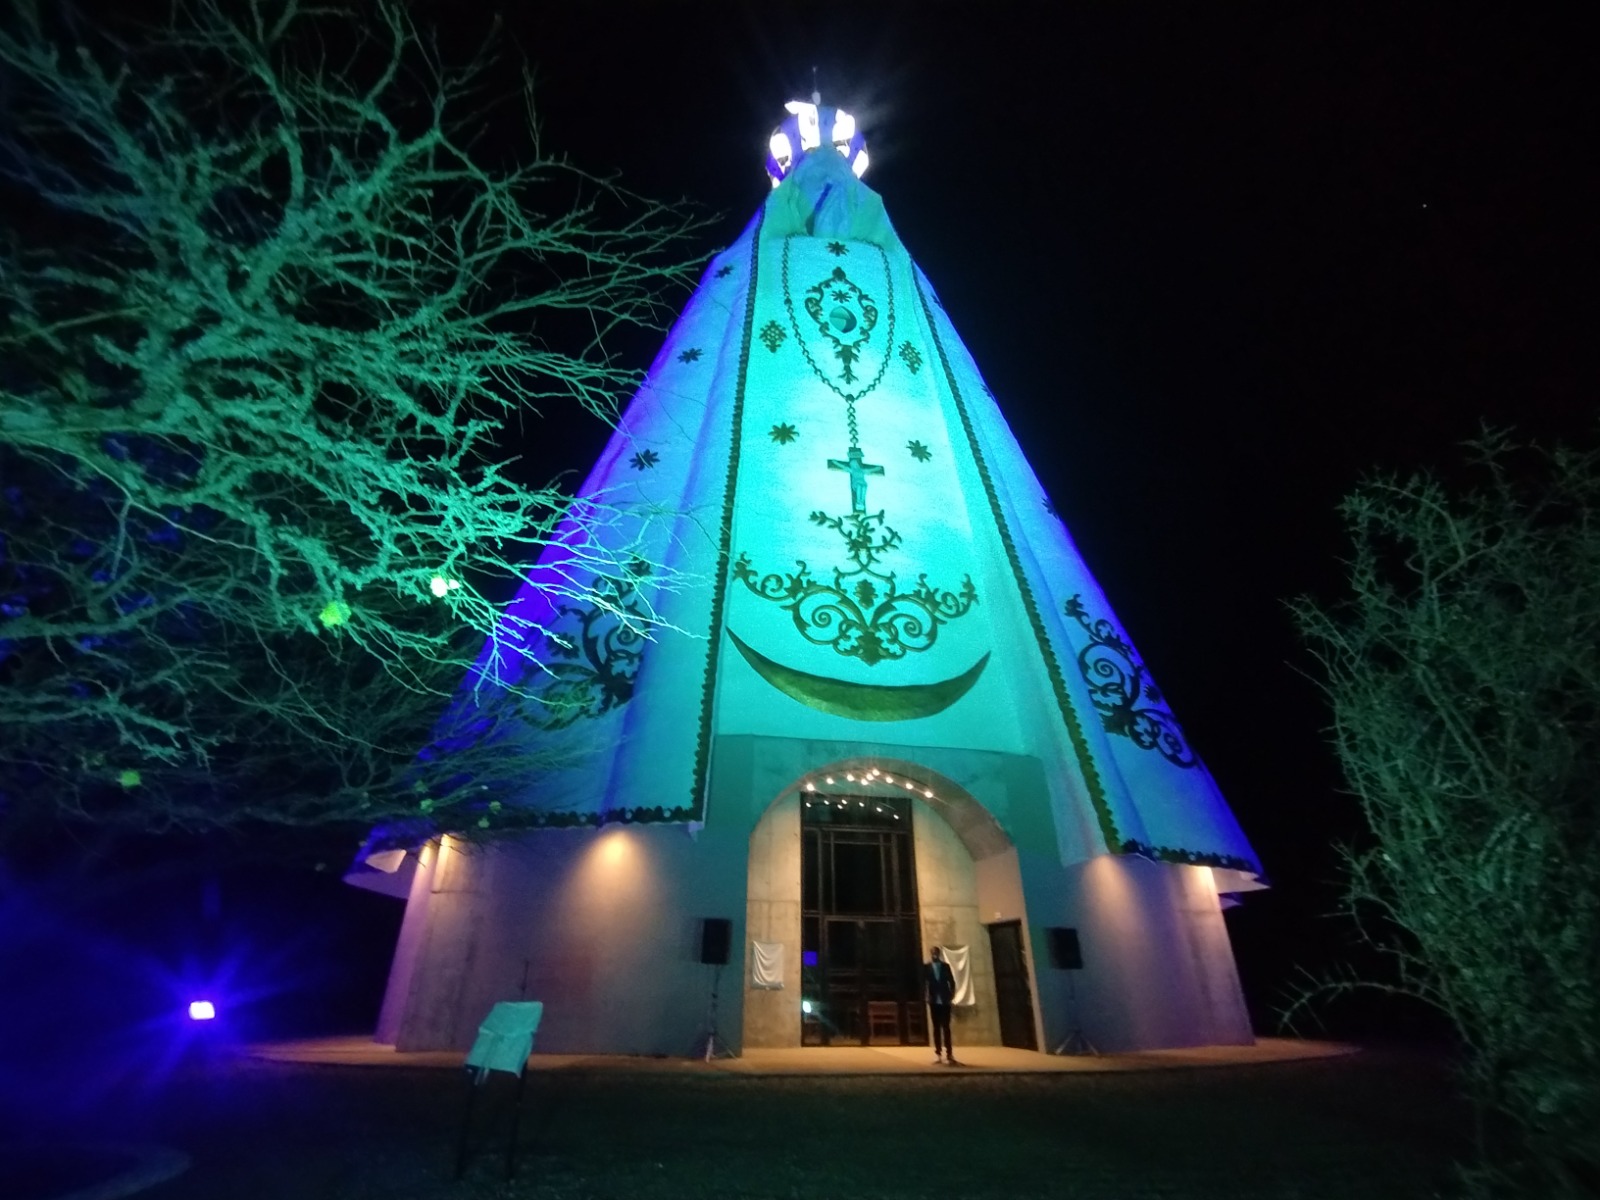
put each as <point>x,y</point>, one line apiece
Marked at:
<point>505,1039</point>
<point>476,1079</point>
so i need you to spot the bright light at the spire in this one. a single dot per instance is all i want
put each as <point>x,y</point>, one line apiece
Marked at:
<point>804,126</point>
<point>810,123</point>
<point>781,149</point>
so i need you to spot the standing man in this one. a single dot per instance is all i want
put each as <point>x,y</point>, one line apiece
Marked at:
<point>939,985</point>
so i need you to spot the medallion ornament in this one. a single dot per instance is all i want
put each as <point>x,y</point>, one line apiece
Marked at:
<point>846,319</point>
<point>845,315</point>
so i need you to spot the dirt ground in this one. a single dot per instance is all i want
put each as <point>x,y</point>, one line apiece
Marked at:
<point>1369,1127</point>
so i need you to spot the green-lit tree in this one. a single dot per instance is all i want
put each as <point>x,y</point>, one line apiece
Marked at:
<point>1464,677</point>
<point>265,314</point>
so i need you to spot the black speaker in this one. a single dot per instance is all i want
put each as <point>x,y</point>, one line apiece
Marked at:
<point>716,936</point>
<point>1065,953</point>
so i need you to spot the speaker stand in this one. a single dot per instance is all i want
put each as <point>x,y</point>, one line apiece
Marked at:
<point>1074,1043</point>
<point>714,1048</point>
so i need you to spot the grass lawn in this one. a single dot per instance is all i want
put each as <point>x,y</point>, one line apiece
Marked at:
<point>1366,1128</point>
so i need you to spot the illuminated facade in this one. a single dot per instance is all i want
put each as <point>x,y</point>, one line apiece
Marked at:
<point>893,711</point>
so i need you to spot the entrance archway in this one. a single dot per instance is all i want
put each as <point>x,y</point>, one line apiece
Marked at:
<point>860,934</point>
<point>856,871</point>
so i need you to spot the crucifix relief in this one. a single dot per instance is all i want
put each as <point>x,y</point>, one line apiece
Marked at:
<point>859,470</point>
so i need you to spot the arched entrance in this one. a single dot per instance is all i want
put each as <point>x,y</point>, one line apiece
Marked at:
<point>860,932</point>
<point>856,871</point>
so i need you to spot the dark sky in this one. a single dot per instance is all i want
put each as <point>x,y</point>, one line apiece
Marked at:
<point>1216,262</point>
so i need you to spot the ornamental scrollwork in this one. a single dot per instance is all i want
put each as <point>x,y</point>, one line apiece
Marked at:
<point>862,613</point>
<point>593,661</point>
<point>1122,692</point>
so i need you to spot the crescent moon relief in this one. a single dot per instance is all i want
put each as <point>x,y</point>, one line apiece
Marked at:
<point>861,701</point>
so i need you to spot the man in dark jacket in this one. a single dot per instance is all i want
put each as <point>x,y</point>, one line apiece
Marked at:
<point>939,985</point>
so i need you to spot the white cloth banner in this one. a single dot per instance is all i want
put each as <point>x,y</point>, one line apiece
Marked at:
<point>505,1039</point>
<point>766,964</point>
<point>960,960</point>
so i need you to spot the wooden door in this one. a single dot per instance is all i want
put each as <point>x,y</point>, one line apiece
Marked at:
<point>1013,986</point>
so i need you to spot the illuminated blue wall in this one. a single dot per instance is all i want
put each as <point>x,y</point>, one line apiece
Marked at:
<point>858,553</point>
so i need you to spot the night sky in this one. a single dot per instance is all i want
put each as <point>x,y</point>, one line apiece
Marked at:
<point>1216,262</point>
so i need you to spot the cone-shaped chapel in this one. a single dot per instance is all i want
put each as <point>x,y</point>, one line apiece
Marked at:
<point>890,709</point>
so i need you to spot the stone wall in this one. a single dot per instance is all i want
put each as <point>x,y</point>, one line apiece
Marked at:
<point>947,895</point>
<point>1158,970</point>
<point>772,914</point>
<point>603,926</point>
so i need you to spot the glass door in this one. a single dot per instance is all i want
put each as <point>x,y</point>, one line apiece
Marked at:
<point>861,946</point>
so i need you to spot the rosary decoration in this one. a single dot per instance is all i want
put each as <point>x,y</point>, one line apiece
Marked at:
<point>860,610</point>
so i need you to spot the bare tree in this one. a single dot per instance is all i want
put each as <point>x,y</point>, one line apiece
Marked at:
<point>1464,677</point>
<point>266,310</point>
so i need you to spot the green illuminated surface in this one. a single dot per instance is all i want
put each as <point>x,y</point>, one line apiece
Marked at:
<point>893,566</point>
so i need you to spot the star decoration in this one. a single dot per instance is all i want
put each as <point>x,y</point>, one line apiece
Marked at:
<point>772,335</point>
<point>690,355</point>
<point>919,452</point>
<point>783,434</point>
<point>842,296</point>
<point>644,460</point>
<point>724,270</point>
<point>838,249</point>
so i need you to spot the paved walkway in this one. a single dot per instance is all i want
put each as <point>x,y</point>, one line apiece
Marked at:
<point>820,1060</point>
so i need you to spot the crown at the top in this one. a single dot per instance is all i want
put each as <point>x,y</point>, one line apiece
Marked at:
<point>809,125</point>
